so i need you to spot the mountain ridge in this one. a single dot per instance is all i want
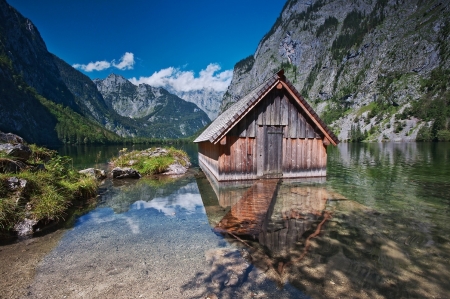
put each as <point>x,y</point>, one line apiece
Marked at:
<point>367,67</point>
<point>47,101</point>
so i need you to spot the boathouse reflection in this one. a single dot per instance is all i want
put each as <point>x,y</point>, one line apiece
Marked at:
<point>277,214</point>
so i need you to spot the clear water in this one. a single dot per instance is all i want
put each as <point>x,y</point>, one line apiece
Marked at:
<point>377,227</point>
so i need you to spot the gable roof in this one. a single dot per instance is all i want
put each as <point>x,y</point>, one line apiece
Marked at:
<point>229,118</point>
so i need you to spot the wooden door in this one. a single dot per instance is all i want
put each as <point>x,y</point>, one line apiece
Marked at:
<point>273,152</point>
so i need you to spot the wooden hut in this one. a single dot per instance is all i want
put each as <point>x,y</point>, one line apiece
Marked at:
<point>270,133</point>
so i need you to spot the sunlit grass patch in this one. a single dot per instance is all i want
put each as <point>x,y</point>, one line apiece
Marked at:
<point>147,163</point>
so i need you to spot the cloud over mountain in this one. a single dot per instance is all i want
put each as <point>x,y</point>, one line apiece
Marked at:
<point>126,62</point>
<point>184,81</point>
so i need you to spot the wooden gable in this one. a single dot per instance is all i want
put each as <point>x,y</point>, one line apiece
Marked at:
<point>271,133</point>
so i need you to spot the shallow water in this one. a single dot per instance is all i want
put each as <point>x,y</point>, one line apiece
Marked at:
<point>377,227</point>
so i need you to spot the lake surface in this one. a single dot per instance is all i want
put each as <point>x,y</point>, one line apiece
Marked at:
<point>376,227</point>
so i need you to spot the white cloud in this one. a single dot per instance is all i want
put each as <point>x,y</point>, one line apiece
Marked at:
<point>183,81</point>
<point>125,63</point>
<point>93,66</point>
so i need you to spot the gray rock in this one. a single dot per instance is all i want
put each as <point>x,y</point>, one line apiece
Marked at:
<point>94,172</point>
<point>125,173</point>
<point>16,183</point>
<point>18,187</point>
<point>25,227</point>
<point>10,138</point>
<point>18,151</point>
<point>176,169</point>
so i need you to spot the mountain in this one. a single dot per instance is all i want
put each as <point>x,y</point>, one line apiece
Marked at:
<point>160,113</point>
<point>47,101</point>
<point>207,99</point>
<point>32,93</point>
<point>374,70</point>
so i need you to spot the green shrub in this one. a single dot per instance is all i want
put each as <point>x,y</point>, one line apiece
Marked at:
<point>424,134</point>
<point>443,135</point>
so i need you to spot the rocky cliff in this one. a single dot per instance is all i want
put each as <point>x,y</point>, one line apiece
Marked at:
<point>373,69</point>
<point>47,101</point>
<point>160,113</point>
<point>207,99</point>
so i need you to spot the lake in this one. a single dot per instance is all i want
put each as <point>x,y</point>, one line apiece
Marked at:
<point>376,227</point>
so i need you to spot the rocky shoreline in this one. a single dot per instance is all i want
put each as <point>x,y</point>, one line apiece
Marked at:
<point>39,188</point>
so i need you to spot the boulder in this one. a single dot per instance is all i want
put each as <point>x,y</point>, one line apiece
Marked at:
<point>10,138</point>
<point>176,169</point>
<point>18,151</point>
<point>94,172</point>
<point>125,173</point>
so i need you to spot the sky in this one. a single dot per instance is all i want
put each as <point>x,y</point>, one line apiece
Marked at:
<point>189,44</point>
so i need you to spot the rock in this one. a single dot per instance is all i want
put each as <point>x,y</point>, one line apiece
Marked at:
<point>176,169</point>
<point>25,227</point>
<point>18,151</point>
<point>10,138</point>
<point>15,183</point>
<point>9,165</point>
<point>94,172</point>
<point>125,173</point>
<point>18,186</point>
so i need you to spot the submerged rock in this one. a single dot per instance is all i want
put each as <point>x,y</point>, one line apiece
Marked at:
<point>125,173</point>
<point>94,172</point>
<point>25,227</point>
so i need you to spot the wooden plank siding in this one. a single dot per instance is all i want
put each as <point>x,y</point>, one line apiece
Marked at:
<point>247,150</point>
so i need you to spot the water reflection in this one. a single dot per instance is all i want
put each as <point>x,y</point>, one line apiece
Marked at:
<point>273,219</point>
<point>376,228</point>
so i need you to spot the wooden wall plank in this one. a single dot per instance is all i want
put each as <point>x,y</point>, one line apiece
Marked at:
<point>289,154</point>
<point>294,155</point>
<point>251,123</point>
<point>310,131</point>
<point>268,112</point>
<point>260,113</point>
<point>260,150</point>
<point>284,111</point>
<point>293,121</point>
<point>302,129</point>
<point>314,160</point>
<point>242,127</point>
<point>276,111</point>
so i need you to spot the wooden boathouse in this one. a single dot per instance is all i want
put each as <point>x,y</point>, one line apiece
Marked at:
<point>270,133</point>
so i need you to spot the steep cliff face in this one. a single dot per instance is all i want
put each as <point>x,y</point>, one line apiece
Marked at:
<point>29,56</point>
<point>367,66</point>
<point>159,113</point>
<point>47,101</point>
<point>207,99</point>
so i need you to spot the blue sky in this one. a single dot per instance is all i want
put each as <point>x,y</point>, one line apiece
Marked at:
<point>189,43</point>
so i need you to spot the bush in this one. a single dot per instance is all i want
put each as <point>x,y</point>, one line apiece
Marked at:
<point>424,134</point>
<point>443,135</point>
